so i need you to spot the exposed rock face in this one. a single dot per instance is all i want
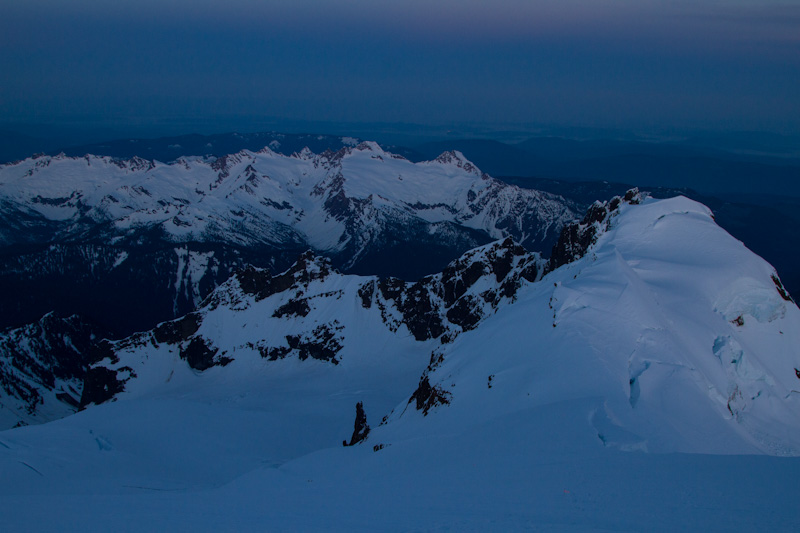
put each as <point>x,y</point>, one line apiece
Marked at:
<point>261,284</point>
<point>42,369</point>
<point>102,384</point>
<point>577,237</point>
<point>200,356</point>
<point>179,330</point>
<point>361,428</point>
<point>442,305</point>
<point>783,292</point>
<point>296,309</point>
<point>323,343</point>
<point>428,396</point>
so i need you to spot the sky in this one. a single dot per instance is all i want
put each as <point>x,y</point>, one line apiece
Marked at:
<point>643,64</point>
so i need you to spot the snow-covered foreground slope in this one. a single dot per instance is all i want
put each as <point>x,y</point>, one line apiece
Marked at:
<point>531,471</point>
<point>561,403</point>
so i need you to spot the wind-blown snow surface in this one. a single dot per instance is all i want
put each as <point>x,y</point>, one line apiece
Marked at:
<point>570,407</point>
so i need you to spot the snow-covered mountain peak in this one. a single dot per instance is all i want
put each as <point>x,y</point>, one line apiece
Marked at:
<point>305,154</point>
<point>267,150</point>
<point>370,146</point>
<point>458,160</point>
<point>675,336</point>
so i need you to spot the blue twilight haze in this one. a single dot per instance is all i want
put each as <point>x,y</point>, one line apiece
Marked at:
<point>606,63</point>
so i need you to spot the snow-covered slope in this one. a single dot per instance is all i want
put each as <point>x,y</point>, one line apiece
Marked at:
<point>538,403</point>
<point>675,336</point>
<point>311,312</point>
<point>135,222</point>
<point>670,333</point>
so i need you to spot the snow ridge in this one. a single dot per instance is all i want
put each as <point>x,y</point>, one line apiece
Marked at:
<point>676,337</point>
<point>310,312</point>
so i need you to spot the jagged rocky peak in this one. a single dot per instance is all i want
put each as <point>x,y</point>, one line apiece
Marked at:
<point>469,289</point>
<point>456,158</point>
<point>369,146</point>
<point>577,237</point>
<point>498,258</point>
<point>224,164</point>
<point>42,368</point>
<point>135,164</point>
<point>260,283</point>
<point>330,158</point>
<point>304,314</point>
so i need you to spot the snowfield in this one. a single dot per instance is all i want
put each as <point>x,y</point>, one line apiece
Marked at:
<point>650,385</point>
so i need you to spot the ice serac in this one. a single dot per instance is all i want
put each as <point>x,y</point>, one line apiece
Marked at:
<point>126,226</point>
<point>669,333</point>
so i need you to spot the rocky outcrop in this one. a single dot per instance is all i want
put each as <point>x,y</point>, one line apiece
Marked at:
<point>428,396</point>
<point>576,238</point>
<point>361,428</point>
<point>298,303</point>
<point>43,366</point>
<point>443,305</point>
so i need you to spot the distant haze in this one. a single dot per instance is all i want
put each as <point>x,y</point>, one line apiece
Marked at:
<point>607,63</point>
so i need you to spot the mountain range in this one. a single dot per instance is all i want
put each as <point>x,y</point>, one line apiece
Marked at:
<point>748,179</point>
<point>632,368</point>
<point>577,383</point>
<point>129,243</point>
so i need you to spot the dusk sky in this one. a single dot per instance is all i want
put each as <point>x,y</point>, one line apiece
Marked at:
<point>642,64</point>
